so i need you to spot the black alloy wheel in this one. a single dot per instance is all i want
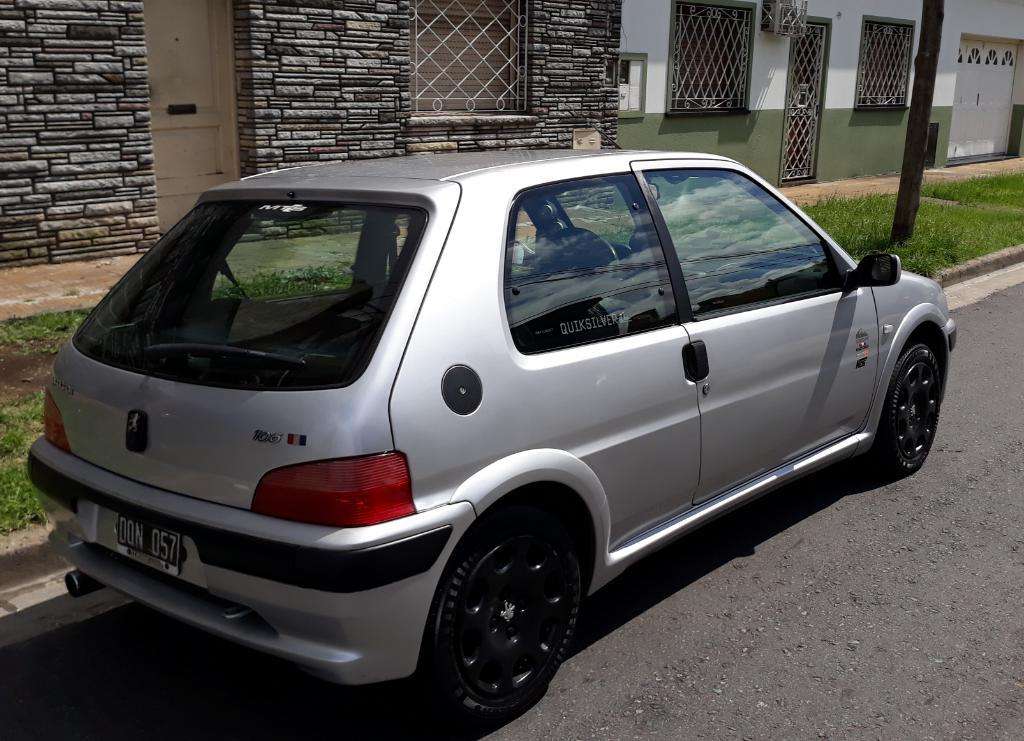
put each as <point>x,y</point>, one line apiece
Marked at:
<point>513,616</point>
<point>917,410</point>
<point>910,417</point>
<point>504,615</point>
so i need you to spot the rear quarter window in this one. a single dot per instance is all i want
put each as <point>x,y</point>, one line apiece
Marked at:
<point>583,264</point>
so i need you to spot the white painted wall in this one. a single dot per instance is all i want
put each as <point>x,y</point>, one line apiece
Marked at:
<point>645,30</point>
<point>646,25</point>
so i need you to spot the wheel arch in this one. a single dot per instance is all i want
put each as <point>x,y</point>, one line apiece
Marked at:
<point>568,507</point>
<point>931,334</point>
<point>554,481</point>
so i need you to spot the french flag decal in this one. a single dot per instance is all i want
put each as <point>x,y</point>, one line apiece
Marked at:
<point>294,439</point>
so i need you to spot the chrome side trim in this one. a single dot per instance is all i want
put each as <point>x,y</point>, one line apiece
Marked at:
<point>690,520</point>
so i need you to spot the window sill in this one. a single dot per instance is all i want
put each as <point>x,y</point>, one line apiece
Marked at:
<point>471,119</point>
<point>707,112</point>
<point>700,317</point>
<point>869,108</point>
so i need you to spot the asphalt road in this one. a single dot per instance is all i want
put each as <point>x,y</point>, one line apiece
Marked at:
<point>839,607</point>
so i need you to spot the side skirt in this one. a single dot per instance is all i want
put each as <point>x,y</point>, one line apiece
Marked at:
<point>686,522</point>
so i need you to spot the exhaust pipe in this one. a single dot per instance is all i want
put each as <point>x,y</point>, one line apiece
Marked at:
<point>80,584</point>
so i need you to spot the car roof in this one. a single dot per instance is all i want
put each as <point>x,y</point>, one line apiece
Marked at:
<point>434,167</point>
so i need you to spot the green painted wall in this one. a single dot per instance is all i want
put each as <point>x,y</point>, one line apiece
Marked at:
<point>853,143</point>
<point>856,143</point>
<point>754,139</point>
<point>1016,145</point>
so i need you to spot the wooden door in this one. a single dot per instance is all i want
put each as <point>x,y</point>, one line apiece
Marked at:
<point>192,99</point>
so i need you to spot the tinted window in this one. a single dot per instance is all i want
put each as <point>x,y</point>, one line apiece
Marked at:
<point>258,295</point>
<point>738,246</point>
<point>583,263</point>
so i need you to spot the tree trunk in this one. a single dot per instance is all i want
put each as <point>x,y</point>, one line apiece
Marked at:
<point>925,67</point>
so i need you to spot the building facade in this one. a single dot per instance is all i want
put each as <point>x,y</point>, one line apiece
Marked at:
<point>726,76</point>
<point>116,114</point>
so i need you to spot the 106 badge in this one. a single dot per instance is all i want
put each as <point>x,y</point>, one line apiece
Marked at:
<point>273,438</point>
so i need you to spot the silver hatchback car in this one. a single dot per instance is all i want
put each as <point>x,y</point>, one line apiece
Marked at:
<point>380,417</point>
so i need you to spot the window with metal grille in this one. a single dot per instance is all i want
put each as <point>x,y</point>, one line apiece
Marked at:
<point>469,55</point>
<point>883,76</point>
<point>710,57</point>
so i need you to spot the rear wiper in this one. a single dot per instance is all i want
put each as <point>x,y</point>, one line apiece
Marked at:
<point>203,350</point>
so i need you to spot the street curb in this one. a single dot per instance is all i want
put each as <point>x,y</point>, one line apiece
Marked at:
<point>981,265</point>
<point>26,555</point>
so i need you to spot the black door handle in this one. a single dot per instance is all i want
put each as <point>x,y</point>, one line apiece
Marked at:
<point>695,361</point>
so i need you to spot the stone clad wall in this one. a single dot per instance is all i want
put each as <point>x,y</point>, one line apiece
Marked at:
<point>320,80</point>
<point>324,80</point>
<point>569,44</point>
<point>316,80</point>
<point>76,162</point>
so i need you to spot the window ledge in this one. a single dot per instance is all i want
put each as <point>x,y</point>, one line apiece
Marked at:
<point>881,108</point>
<point>699,112</point>
<point>472,119</point>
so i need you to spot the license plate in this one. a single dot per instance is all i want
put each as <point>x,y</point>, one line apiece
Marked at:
<point>149,544</point>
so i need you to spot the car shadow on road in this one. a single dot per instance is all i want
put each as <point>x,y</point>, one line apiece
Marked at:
<point>733,536</point>
<point>132,673</point>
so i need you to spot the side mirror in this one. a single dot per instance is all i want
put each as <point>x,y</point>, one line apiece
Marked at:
<point>875,270</point>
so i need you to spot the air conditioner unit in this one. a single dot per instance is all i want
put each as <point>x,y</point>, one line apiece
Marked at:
<point>784,17</point>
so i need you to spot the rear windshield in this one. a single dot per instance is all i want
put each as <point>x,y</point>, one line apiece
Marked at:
<point>259,295</point>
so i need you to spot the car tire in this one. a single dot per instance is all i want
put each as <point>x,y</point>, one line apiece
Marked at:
<point>910,416</point>
<point>503,617</point>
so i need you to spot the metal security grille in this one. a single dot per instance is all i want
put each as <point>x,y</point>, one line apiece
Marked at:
<point>710,57</point>
<point>883,77</point>
<point>803,103</point>
<point>469,55</point>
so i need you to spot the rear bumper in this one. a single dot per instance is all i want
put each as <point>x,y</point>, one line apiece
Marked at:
<point>349,606</point>
<point>328,570</point>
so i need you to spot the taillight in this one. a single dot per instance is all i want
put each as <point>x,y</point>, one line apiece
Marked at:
<point>347,492</point>
<point>53,424</point>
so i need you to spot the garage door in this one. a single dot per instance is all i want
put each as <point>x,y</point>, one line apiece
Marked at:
<point>191,80</point>
<point>984,99</point>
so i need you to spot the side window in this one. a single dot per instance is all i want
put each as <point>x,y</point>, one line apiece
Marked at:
<point>737,245</point>
<point>583,263</point>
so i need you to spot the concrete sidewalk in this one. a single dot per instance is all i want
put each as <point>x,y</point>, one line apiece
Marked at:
<point>38,289</point>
